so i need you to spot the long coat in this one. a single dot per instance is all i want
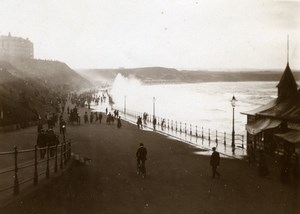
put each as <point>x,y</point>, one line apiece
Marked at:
<point>215,159</point>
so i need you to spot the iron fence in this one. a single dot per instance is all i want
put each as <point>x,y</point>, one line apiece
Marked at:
<point>34,168</point>
<point>211,135</point>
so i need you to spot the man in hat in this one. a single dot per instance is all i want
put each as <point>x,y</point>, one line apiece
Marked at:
<point>42,143</point>
<point>141,157</point>
<point>215,162</point>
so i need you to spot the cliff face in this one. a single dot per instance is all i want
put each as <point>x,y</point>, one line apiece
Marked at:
<point>50,73</point>
<point>32,87</point>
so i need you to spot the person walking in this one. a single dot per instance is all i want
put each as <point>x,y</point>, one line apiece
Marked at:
<point>62,126</point>
<point>42,143</point>
<point>154,123</point>
<point>100,117</point>
<point>262,164</point>
<point>215,162</point>
<point>86,117</point>
<point>119,122</point>
<point>139,123</point>
<point>141,157</point>
<point>295,165</point>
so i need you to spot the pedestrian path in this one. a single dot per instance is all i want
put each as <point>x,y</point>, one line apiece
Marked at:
<point>206,143</point>
<point>177,180</point>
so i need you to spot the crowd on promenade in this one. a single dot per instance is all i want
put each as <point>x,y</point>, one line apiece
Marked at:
<point>214,176</point>
<point>289,167</point>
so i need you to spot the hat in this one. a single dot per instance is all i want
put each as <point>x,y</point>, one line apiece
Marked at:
<point>141,144</point>
<point>213,148</point>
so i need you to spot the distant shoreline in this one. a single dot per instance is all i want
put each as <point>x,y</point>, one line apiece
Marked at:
<point>158,75</point>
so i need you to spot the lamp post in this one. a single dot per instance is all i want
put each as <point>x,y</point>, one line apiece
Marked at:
<point>153,106</point>
<point>125,105</point>
<point>233,104</point>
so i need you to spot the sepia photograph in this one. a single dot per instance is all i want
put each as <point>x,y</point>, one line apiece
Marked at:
<point>138,106</point>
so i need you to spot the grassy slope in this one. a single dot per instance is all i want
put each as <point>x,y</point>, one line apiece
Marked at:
<point>31,87</point>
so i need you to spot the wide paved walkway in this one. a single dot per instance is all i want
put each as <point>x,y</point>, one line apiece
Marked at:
<point>178,181</point>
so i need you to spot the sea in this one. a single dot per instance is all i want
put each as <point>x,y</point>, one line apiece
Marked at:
<point>204,104</point>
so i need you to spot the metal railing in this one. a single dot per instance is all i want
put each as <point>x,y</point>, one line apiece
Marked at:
<point>179,127</point>
<point>36,166</point>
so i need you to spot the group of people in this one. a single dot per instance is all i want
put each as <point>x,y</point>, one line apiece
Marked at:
<point>47,139</point>
<point>73,115</point>
<point>289,167</point>
<point>110,119</point>
<point>141,157</point>
<point>139,121</point>
<point>289,164</point>
<point>94,116</point>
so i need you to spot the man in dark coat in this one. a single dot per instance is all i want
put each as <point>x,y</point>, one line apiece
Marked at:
<point>52,141</point>
<point>139,123</point>
<point>119,122</point>
<point>100,117</point>
<point>42,143</point>
<point>215,162</point>
<point>62,126</point>
<point>141,157</point>
<point>154,123</point>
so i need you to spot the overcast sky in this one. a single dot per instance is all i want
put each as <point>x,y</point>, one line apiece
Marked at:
<point>186,34</point>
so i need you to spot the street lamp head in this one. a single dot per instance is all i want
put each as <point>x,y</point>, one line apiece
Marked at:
<point>233,101</point>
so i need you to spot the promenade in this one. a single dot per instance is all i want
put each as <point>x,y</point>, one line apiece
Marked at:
<point>178,180</point>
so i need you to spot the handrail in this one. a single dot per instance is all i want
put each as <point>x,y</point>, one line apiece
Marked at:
<point>7,153</point>
<point>212,135</point>
<point>7,188</point>
<point>8,170</point>
<point>25,150</point>
<point>62,150</point>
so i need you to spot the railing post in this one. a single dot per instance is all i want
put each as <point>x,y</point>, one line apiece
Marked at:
<point>208,135</point>
<point>176,126</point>
<point>216,136</point>
<point>180,128</point>
<point>35,180</point>
<point>66,152</point>
<point>224,138</point>
<point>196,132</point>
<point>65,148</point>
<point>16,182</point>
<point>47,166</point>
<point>242,141</point>
<point>55,164</point>
<point>61,156</point>
<point>70,149</point>
<point>185,128</point>
<point>172,125</point>
<point>168,124</point>
<point>191,129</point>
<point>202,134</point>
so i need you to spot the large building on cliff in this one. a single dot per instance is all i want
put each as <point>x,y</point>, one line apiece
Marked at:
<point>16,47</point>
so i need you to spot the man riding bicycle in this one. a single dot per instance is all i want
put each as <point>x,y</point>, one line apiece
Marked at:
<point>141,157</point>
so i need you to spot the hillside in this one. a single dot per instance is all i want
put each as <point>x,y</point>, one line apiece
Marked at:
<point>167,75</point>
<point>29,88</point>
<point>50,73</point>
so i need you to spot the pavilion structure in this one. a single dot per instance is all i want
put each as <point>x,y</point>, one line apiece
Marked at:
<point>275,127</point>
